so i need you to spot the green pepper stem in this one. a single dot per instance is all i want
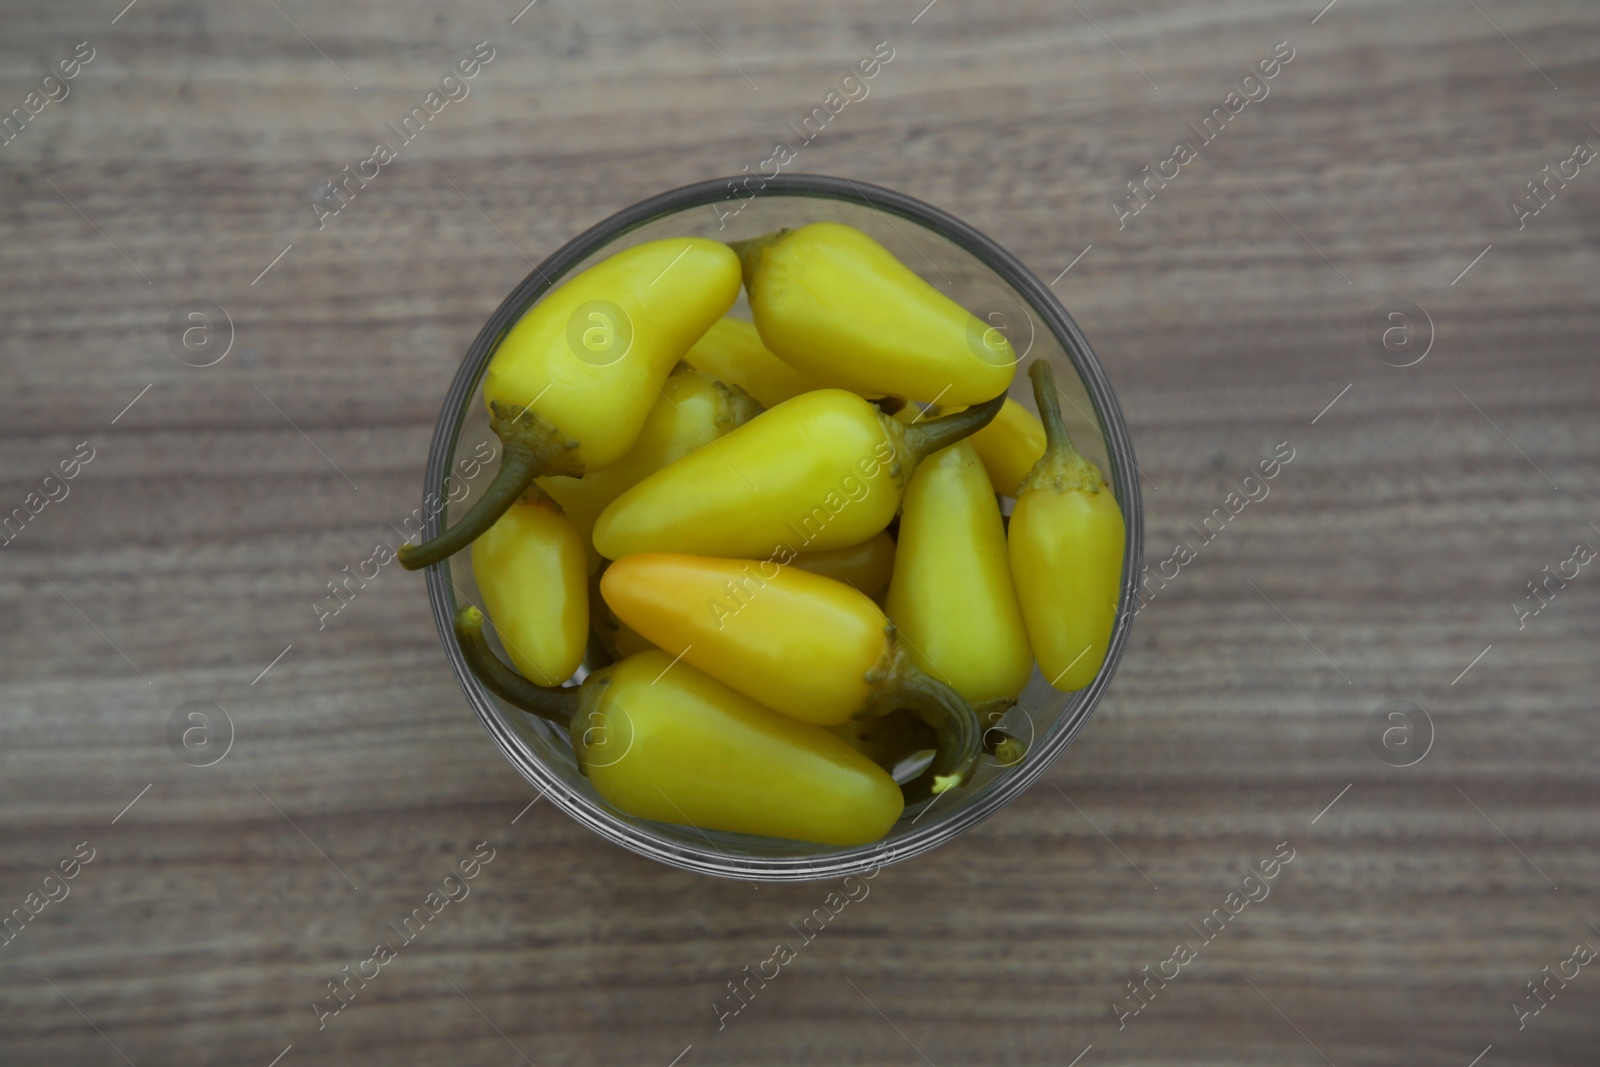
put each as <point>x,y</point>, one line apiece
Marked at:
<point>518,469</point>
<point>1044,394</point>
<point>533,448</point>
<point>557,704</point>
<point>1062,468</point>
<point>1008,751</point>
<point>904,685</point>
<point>923,439</point>
<point>996,742</point>
<point>749,252</point>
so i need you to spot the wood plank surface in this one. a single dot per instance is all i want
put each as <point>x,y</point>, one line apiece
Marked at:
<point>1231,313</point>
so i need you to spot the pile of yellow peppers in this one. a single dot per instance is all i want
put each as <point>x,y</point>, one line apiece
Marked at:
<point>787,567</point>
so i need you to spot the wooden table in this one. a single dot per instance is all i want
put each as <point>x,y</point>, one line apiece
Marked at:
<point>1232,312</point>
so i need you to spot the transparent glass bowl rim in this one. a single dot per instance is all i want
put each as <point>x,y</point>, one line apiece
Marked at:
<point>956,819</point>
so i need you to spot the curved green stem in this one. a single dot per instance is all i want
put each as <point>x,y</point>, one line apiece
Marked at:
<point>1007,750</point>
<point>558,704</point>
<point>919,788</point>
<point>1045,396</point>
<point>1062,468</point>
<point>923,439</point>
<point>532,449</point>
<point>904,685</point>
<point>518,469</point>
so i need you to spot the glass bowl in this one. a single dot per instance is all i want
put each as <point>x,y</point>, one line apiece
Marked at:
<point>961,262</point>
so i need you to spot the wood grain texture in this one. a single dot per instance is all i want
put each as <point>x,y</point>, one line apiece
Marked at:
<point>1386,558</point>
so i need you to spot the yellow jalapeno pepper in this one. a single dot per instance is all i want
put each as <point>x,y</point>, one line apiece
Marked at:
<point>618,639</point>
<point>865,567</point>
<point>693,408</point>
<point>951,597</point>
<point>531,569</point>
<point>1010,446</point>
<point>663,741</point>
<point>570,385</point>
<point>803,645</point>
<point>821,471</point>
<point>732,351</point>
<point>1066,542</point>
<point>839,308</point>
